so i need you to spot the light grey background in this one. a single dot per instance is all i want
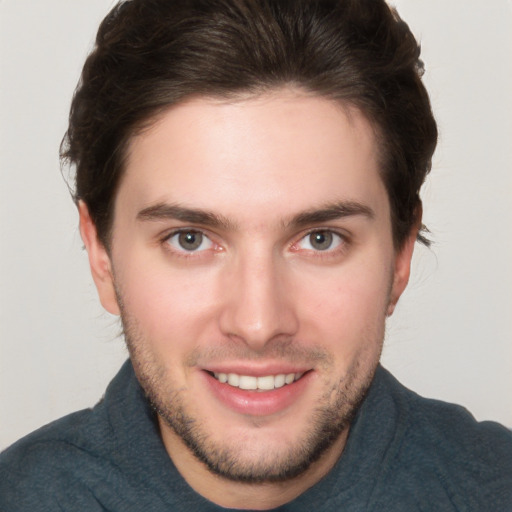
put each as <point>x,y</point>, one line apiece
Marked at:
<point>451,337</point>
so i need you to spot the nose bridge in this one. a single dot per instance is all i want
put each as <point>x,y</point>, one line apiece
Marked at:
<point>258,309</point>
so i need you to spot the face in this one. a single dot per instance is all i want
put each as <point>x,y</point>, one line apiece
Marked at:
<point>253,266</point>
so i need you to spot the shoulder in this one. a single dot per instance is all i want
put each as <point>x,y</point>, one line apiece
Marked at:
<point>441,447</point>
<point>56,456</point>
<point>90,460</point>
<point>455,432</point>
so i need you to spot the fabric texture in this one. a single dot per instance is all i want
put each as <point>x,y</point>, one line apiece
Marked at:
<point>404,453</point>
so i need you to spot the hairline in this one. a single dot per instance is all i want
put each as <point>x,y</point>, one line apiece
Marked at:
<point>347,105</point>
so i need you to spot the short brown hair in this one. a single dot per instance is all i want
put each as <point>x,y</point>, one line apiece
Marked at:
<point>151,54</point>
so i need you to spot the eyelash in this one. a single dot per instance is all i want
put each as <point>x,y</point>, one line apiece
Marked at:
<point>342,243</point>
<point>182,252</point>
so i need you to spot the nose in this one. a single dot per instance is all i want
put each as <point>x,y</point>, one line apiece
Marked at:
<point>258,306</point>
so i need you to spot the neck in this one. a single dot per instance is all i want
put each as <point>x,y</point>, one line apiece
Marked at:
<point>241,495</point>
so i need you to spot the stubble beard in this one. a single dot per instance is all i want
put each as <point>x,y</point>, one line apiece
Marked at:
<point>334,413</point>
<point>328,421</point>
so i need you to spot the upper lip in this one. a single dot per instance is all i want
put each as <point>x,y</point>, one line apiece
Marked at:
<point>256,370</point>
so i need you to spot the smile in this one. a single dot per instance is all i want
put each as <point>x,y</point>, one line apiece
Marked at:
<point>264,383</point>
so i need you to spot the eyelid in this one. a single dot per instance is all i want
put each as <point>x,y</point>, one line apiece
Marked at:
<point>166,239</point>
<point>344,240</point>
<point>341,245</point>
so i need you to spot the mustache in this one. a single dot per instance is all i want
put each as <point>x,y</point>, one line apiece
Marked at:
<point>281,348</point>
<point>288,351</point>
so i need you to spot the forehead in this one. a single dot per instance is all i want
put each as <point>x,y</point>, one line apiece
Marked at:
<point>272,155</point>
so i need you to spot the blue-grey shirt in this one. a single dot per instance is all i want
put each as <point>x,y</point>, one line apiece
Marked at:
<point>404,453</point>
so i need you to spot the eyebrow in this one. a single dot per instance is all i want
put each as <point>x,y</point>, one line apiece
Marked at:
<point>328,212</point>
<point>332,211</point>
<point>164,211</point>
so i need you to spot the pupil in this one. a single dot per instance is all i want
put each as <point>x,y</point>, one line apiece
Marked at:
<point>190,240</point>
<point>321,240</point>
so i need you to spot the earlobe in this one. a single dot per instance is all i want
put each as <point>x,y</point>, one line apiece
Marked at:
<point>99,261</point>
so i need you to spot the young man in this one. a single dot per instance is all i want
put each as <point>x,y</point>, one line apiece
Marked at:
<point>247,179</point>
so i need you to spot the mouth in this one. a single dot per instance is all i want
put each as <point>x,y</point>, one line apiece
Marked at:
<point>252,383</point>
<point>258,395</point>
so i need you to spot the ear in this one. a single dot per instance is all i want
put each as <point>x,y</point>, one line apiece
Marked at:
<point>402,268</point>
<point>99,261</point>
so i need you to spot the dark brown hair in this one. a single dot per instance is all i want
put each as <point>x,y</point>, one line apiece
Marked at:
<point>151,54</point>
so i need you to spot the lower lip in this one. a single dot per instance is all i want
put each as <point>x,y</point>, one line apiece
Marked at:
<point>258,403</point>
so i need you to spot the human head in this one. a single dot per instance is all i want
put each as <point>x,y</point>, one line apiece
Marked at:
<point>152,54</point>
<point>252,239</point>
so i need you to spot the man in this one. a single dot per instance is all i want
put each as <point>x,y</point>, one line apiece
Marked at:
<point>247,179</point>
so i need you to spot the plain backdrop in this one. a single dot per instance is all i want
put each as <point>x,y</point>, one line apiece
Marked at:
<point>451,337</point>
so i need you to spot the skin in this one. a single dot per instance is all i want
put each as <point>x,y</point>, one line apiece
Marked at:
<point>258,296</point>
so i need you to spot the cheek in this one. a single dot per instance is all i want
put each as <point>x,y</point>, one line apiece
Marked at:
<point>347,307</point>
<point>353,292</point>
<point>166,304</point>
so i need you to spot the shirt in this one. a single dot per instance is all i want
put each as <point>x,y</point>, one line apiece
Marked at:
<point>403,453</point>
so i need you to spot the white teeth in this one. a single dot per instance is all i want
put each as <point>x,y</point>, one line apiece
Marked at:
<point>247,382</point>
<point>233,380</point>
<point>279,381</point>
<point>267,382</point>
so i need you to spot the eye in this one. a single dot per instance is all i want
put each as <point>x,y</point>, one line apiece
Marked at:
<point>322,240</point>
<point>189,241</point>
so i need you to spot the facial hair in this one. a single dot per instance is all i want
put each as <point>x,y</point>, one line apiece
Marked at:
<point>332,415</point>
